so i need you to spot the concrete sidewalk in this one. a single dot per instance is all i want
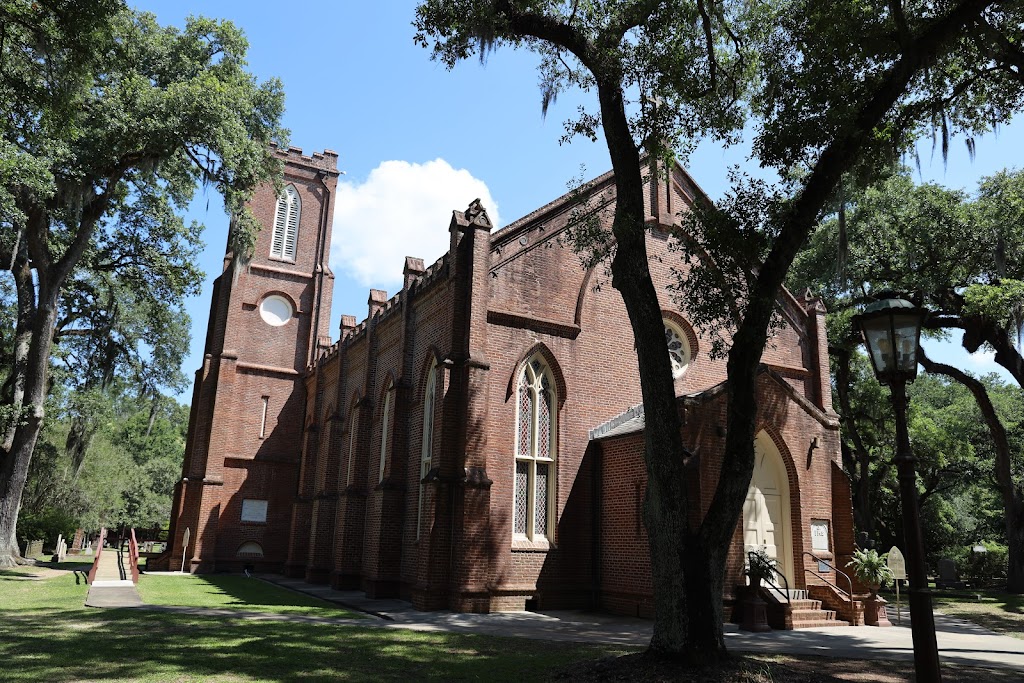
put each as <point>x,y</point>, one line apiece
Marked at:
<point>960,642</point>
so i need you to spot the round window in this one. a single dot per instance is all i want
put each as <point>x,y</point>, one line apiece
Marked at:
<point>276,310</point>
<point>678,349</point>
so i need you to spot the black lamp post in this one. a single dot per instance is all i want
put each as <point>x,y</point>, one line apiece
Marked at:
<point>892,330</point>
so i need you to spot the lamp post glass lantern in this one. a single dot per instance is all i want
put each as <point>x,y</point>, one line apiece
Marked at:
<point>892,331</point>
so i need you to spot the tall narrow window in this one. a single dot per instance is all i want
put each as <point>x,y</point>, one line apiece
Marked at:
<point>427,447</point>
<point>353,428</point>
<point>385,428</point>
<point>286,225</point>
<point>263,417</point>
<point>536,436</point>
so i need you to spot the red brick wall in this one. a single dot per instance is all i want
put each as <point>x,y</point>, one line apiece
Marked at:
<point>481,311</point>
<point>227,457</point>
<point>792,423</point>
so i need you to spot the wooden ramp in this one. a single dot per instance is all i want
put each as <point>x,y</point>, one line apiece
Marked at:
<point>113,577</point>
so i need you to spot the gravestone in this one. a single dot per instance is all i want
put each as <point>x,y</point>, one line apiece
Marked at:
<point>78,543</point>
<point>33,548</point>
<point>62,549</point>
<point>947,575</point>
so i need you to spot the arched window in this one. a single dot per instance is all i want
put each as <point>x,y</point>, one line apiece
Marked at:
<point>427,447</point>
<point>250,549</point>
<point>286,225</point>
<point>678,348</point>
<point>385,428</point>
<point>536,437</point>
<point>353,428</point>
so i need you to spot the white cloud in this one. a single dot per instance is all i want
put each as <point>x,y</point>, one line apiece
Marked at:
<point>402,209</point>
<point>985,359</point>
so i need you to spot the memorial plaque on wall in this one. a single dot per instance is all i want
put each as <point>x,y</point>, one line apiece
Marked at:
<point>819,542</point>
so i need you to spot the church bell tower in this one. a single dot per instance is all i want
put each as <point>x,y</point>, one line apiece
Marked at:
<point>269,319</point>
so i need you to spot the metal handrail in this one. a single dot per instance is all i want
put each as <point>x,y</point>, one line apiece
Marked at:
<point>771,585</point>
<point>96,560</point>
<point>838,572</point>
<point>133,556</point>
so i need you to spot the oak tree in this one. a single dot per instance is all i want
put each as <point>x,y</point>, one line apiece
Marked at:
<point>110,123</point>
<point>833,86</point>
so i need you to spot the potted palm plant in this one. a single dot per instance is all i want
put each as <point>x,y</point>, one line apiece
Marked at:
<point>760,565</point>
<point>872,570</point>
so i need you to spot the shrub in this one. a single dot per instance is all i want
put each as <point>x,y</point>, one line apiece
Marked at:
<point>987,568</point>
<point>46,525</point>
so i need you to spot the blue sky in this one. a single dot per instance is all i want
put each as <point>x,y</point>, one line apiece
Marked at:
<point>416,141</point>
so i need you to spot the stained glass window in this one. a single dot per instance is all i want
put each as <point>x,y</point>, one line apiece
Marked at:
<point>353,428</point>
<point>678,349</point>
<point>427,442</point>
<point>541,523</point>
<point>385,428</point>
<point>536,437</point>
<point>522,512</point>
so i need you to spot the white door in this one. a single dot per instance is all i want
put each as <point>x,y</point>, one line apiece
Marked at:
<point>766,514</point>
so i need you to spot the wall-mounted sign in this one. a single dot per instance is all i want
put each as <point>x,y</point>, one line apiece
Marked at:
<point>819,535</point>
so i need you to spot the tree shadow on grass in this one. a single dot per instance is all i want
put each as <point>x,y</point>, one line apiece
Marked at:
<point>134,645</point>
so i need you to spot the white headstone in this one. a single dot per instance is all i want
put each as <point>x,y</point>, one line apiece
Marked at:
<point>897,563</point>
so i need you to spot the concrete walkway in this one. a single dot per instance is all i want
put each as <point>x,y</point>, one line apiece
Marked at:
<point>108,589</point>
<point>960,642</point>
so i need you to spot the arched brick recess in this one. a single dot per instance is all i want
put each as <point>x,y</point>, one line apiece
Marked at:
<point>796,514</point>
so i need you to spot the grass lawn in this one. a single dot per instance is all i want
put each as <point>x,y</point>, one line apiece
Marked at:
<point>235,592</point>
<point>47,635</point>
<point>1000,612</point>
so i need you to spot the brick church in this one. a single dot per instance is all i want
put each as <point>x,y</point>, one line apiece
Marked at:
<point>475,442</point>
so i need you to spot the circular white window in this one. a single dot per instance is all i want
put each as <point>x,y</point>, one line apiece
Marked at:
<point>678,349</point>
<point>276,310</point>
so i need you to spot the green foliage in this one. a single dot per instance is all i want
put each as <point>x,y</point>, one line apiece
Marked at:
<point>760,565</point>
<point>980,569</point>
<point>683,76</point>
<point>987,568</point>
<point>111,124</point>
<point>46,525</point>
<point>722,247</point>
<point>870,568</point>
<point>129,475</point>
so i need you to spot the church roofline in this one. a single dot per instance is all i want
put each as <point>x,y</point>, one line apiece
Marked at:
<point>632,420</point>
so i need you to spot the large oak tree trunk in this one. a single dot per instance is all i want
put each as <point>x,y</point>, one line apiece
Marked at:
<point>14,389</point>
<point>15,463</point>
<point>665,503</point>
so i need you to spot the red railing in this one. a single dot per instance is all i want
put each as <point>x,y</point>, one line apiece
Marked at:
<point>133,556</point>
<point>96,560</point>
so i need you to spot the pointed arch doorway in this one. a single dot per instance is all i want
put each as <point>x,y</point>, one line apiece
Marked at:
<point>767,517</point>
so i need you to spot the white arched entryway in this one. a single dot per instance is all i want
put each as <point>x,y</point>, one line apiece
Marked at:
<point>767,518</point>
